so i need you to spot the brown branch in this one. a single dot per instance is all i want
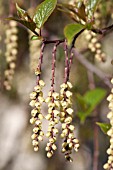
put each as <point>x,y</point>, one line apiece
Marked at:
<point>103,76</point>
<point>75,37</point>
<point>104,30</point>
<point>53,41</point>
<point>96,142</point>
<point>95,127</point>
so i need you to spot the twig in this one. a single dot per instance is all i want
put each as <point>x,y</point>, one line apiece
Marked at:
<point>95,129</point>
<point>96,142</point>
<point>75,37</point>
<point>104,30</point>
<point>103,76</point>
<point>53,41</point>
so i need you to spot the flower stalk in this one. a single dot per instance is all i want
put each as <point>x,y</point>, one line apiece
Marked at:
<point>53,114</point>
<point>66,115</point>
<point>36,102</point>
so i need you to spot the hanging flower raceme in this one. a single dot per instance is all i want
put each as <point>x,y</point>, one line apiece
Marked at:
<point>53,114</point>
<point>36,101</point>
<point>66,115</point>
<point>109,164</point>
<point>53,117</point>
<point>11,53</point>
<point>95,46</point>
<point>59,108</point>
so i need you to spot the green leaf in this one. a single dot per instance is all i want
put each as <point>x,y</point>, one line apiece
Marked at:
<point>29,25</point>
<point>104,126</point>
<point>91,7</point>
<point>22,13</point>
<point>43,11</point>
<point>81,103</point>
<point>71,30</point>
<point>35,37</point>
<point>91,100</point>
<point>94,97</point>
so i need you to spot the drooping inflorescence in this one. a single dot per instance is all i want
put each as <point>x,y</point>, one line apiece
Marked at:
<point>66,115</point>
<point>109,164</point>
<point>53,117</point>
<point>95,46</point>
<point>94,43</point>
<point>36,101</point>
<point>11,53</point>
<point>59,108</point>
<point>53,114</point>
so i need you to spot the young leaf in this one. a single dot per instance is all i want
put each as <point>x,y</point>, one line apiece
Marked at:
<point>104,126</point>
<point>71,30</point>
<point>82,116</point>
<point>35,37</point>
<point>22,13</point>
<point>29,25</point>
<point>82,107</point>
<point>91,7</point>
<point>91,99</point>
<point>94,97</point>
<point>81,103</point>
<point>43,11</point>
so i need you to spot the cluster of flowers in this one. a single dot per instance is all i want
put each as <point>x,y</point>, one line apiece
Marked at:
<point>11,53</point>
<point>93,43</point>
<point>95,46</point>
<point>109,164</point>
<point>36,101</point>
<point>66,116</point>
<point>53,117</point>
<point>59,110</point>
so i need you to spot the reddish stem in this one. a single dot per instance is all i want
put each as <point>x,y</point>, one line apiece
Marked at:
<point>70,60</point>
<point>40,61</point>
<point>53,65</point>
<point>66,77</point>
